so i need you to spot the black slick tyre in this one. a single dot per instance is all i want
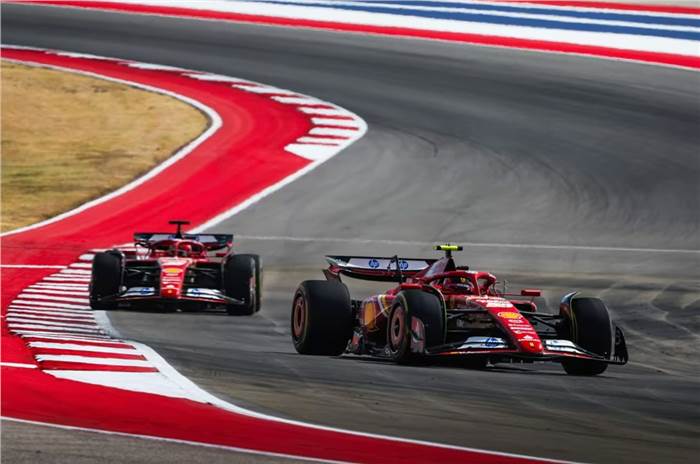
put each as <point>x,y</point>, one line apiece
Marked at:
<point>321,320</point>
<point>590,328</point>
<point>241,276</point>
<point>105,280</point>
<point>408,304</point>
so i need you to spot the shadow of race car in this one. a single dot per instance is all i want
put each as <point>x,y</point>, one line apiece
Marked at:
<point>170,271</point>
<point>438,309</point>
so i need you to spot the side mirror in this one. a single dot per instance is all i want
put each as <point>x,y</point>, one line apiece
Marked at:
<point>531,292</point>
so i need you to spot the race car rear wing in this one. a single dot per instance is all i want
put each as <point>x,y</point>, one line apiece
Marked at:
<point>384,269</point>
<point>210,241</point>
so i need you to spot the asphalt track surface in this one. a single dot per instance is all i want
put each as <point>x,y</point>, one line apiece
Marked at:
<point>593,162</point>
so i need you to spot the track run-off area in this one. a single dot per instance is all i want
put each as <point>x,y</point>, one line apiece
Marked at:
<point>564,172</point>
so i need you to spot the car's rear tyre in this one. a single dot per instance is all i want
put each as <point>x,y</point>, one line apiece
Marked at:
<point>241,281</point>
<point>419,304</point>
<point>105,280</point>
<point>321,318</point>
<point>590,327</point>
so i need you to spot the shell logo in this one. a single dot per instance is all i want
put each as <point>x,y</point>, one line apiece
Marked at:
<point>509,315</point>
<point>172,270</point>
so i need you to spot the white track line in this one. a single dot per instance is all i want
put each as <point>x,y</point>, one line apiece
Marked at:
<point>171,440</point>
<point>282,238</point>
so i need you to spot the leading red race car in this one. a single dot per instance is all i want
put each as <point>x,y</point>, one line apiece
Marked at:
<point>439,309</point>
<point>177,271</point>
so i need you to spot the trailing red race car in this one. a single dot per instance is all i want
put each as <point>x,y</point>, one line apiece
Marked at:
<point>177,271</point>
<point>439,309</point>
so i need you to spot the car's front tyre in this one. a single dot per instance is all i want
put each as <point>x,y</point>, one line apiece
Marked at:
<point>242,281</point>
<point>105,280</point>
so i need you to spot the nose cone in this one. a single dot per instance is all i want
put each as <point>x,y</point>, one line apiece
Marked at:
<point>171,279</point>
<point>170,291</point>
<point>520,330</point>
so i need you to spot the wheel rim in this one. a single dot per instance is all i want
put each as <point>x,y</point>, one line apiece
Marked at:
<point>397,327</point>
<point>299,318</point>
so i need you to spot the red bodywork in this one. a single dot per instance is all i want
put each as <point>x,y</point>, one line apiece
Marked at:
<point>166,267</point>
<point>480,320</point>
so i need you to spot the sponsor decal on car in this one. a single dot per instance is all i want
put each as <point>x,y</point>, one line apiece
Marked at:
<point>483,343</point>
<point>566,346</point>
<point>172,270</point>
<point>209,293</point>
<point>140,291</point>
<point>509,315</point>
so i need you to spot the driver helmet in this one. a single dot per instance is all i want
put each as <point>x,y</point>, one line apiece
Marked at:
<point>458,285</point>
<point>184,249</point>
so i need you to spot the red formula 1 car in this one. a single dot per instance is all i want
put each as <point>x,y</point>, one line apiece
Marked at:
<point>177,271</point>
<point>439,309</point>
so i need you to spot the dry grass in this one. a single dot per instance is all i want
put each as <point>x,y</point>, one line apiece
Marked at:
<point>68,138</point>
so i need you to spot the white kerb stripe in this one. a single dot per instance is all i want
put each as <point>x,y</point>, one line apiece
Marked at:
<point>39,296</point>
<point>47,328</point>
<point>81,265</point>
<point>31,266</point>
<point>18,320</point>
<point>57,286</point>
<point>45,310</point>
<point>323,111</point>
<point>321,140</point>
<point>54,291</point>
<point>300,101</point>
<point>50,314</point>
<point>264,89</point>
<point>21,365</point>
<point>214,77</point>
<point>30,334</point>
<point>332,131</point>
<point>67,279</point>
<point>75,271</point>
<point>335,122</point>
<point>312,152</point>
<point>76,347</point>
<point>51,304</point>
<point>153,67</point>
<point>14,315</point>
<point>70,358</point>
<point>144,382</point>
